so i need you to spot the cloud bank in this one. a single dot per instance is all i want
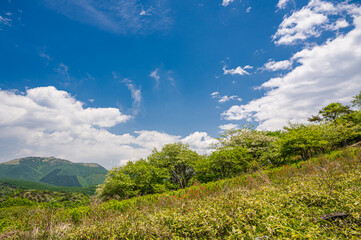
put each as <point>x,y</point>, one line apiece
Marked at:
<point>45,121</point>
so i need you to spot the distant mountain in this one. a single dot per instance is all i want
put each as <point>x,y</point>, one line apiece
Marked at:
<point>53,171</point>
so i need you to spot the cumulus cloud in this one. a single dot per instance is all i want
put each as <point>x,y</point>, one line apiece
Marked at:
<point>310,21</point>
<point>225,3</point>
<point>45,121</point>
<point>228,126</point>
<point>326,73</point>
<point>121,17</point>
<point>271,65</point>
<point>200,142</point>
<point>238,70</point>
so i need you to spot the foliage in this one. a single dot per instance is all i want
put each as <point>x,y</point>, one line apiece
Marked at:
<point>224,163</point>
<point>178,160</point>
<point>287,202</point>
<point>170,168</point>
<point>356,102</point>
<point>260,145</point>
<point>332,112</point>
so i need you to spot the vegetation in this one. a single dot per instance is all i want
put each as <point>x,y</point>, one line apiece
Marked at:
<point>175,166</point>
<point>53,171</point>
<point>299,183</point>
<point>315,199</point>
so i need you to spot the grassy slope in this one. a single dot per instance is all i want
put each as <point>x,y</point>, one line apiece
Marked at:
<point>282,203</point>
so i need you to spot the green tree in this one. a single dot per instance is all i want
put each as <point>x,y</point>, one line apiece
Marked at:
<point>302,140</point>
<point>356,102</point>
<point>133,179</point>
<point>334,110</point>
<point>178,160</point>
<point>260,145</point>
<point>226,163</point>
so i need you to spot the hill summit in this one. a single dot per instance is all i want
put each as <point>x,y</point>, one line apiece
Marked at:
<point>53,171</point>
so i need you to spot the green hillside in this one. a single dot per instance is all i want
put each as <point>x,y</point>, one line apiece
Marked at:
<point>314,199</point>
<point>54,171</point>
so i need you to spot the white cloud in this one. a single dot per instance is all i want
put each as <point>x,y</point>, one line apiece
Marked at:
<point>5,21</point>
<point>155,75</point>
<point>135,93</point>
<point>238,70</point>
<point>228,126</point>
<point>228,98</point>
<point>213,94</point>
<point>248,9</point>
<point>225,3</point>
<point>282,4</point>
<point>121,17</point>
<point>248,67</point>
<point>223,99</point>
<point>143,13</point>
<point>327,73</point>
<point>311,21</point>
<point>271,65</point>
<point>200,142</point>
<point>341,23</point>
<point>48,122</point>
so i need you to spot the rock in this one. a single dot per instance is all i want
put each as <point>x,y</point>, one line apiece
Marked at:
<point>333,216</point>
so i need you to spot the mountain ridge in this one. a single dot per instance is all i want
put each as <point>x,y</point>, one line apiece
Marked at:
<point>55,171</point>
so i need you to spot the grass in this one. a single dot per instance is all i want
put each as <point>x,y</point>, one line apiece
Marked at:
<point>280,203</point>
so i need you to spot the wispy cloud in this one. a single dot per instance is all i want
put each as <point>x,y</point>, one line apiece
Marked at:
<point>225,98</point>
<point>136,94</point>
<point>5,21</point>
<point>121,17</point>
<point>64,71</point>
<point>155,75</point>
<point>283,3</point>
<point>44,55</point>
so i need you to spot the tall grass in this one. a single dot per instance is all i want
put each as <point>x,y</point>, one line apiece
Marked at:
<point>282,203</point>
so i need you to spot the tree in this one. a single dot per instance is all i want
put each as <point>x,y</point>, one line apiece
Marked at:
<point>302,140</point>
<point>178,160</point>
<point>356,102</point>
<point>258,144</point>
<point>230,162</point>
<point>133,179</point>
<point>334,110</point>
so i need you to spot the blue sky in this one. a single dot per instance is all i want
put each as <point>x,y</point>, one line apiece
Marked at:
<point>106,81</point>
